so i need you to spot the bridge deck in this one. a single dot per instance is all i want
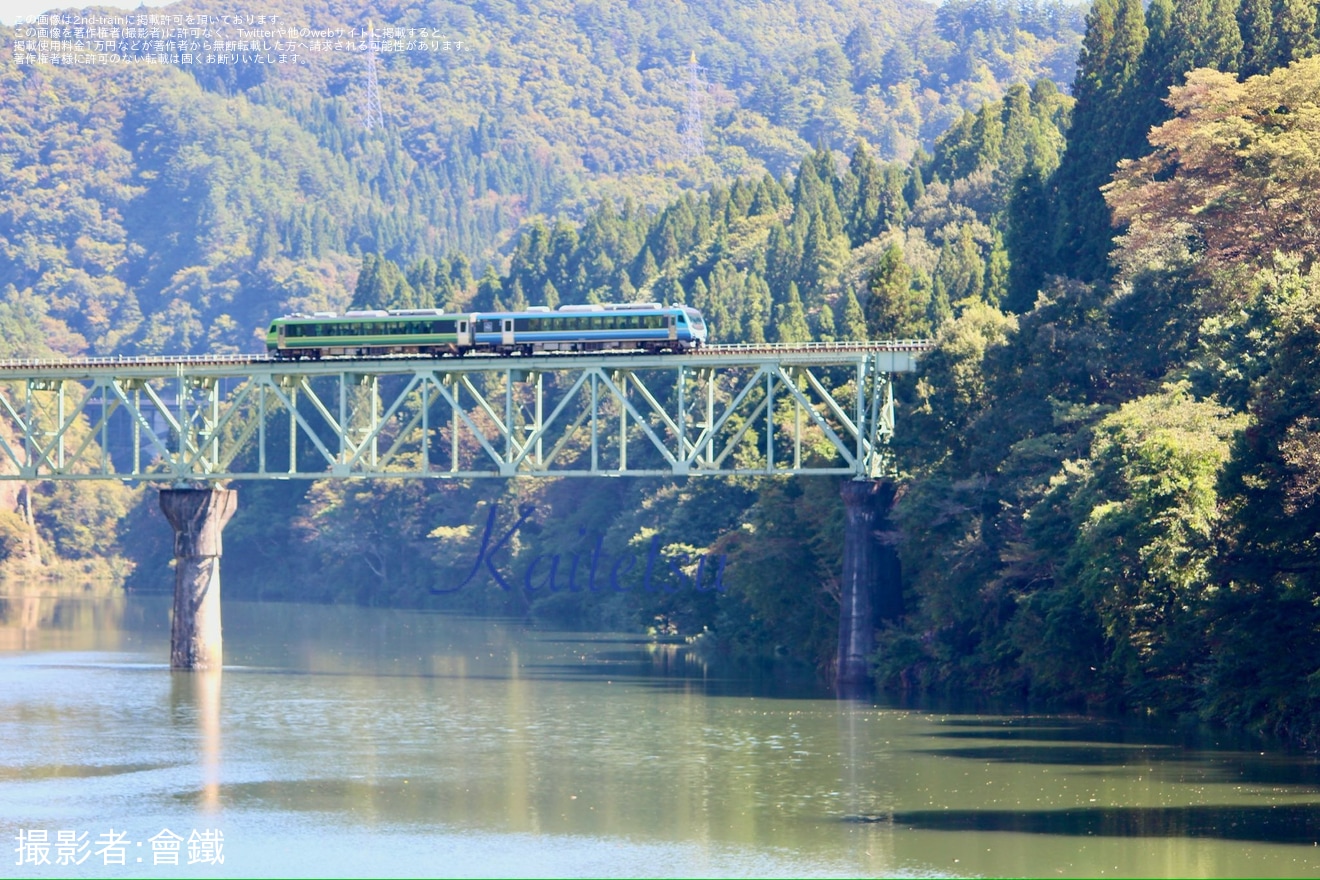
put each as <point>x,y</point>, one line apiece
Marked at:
<point>723,410</point>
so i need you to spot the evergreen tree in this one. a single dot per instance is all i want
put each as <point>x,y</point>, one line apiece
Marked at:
<point>766,198</point>
<point>783,259</point>
<point>1190,30</point>
<point>853,319</point>
<point>996,271</point>
<point>422,277</point>
<point>939,309</point>
<point>647,269</point>
<point>863,56</point>
<point>825,331</point>
<point>791,320</point>
<point>489,292</point>
<point>1156,73</point>
<point>461,273</point>
<point>382,285</point>
<point>668,290</point>
<point>914,184</point>
<point>822,256</point>
<point>1223,41</point>
<point>1027,240</point>
<point>1111,49</point>
<point>1256,26</point>
<point>894,309</point>
<point>894,206</point>
<point>550,295</point>
<point>756,308</point>
<point>866,212</point>
<point>1294,31</point>
<point>960,269</point>
<point>517,297</point>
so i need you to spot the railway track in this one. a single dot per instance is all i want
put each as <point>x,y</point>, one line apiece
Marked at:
<point>914,346</point>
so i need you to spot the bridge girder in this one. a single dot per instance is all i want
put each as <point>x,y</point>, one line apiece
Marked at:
<point>729,411</point>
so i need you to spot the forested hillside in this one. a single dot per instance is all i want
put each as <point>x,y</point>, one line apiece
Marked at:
<point>1114,496</point>
<point>1108,494</point>
<point>159,208</point>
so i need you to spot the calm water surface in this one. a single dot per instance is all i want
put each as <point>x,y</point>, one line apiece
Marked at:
<point>349,741</point>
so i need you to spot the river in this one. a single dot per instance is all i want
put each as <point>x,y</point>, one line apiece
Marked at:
<point>349,741</point>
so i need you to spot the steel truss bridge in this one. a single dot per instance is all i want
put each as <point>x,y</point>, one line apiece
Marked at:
<point>726,410</point>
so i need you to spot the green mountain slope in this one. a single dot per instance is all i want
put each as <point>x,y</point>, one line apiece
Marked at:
<point>161,208</point>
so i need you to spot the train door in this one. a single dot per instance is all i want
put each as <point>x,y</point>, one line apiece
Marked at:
<point>506,338</point>
<point>673,327</point>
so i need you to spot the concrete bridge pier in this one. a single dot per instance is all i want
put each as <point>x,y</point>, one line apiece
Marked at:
<point>871,590</point>
<point>198,517</point>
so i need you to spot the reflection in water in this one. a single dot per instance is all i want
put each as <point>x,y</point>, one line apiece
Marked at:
<point>37,616</point>
<point>355,741</point>
<point>1278,823</point>
<point>1076,755</point>
<point>197,694</point>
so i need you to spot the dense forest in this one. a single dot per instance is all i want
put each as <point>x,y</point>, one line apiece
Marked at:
<point>178,208</point>
<point>1109,487</point>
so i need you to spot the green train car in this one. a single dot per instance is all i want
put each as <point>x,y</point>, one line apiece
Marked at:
<point>369,333</point>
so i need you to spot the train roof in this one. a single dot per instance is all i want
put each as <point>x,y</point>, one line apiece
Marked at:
<point>359,314</point>
<point>576,309</point>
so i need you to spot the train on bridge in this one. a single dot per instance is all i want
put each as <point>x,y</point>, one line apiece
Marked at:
<point>647,327</point>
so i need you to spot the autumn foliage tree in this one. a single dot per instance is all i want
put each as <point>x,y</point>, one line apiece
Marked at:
<point>1234,177</point>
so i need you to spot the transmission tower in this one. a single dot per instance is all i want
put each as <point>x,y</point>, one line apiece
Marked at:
<point>369,110</point>
<point>692,129</point>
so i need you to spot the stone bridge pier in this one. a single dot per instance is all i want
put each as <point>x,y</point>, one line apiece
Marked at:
<point>198,517</point>
<point>871,590</point>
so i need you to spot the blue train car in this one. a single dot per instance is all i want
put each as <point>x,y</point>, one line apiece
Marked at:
<point>606,327</point>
